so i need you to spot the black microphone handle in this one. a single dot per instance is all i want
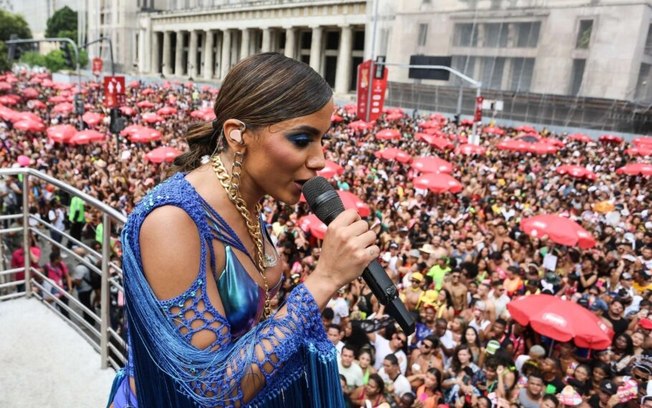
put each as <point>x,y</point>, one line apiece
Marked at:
<point>385,291</point>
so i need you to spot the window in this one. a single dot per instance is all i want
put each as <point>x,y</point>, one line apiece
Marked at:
<point>522,69</point>
<point>495,35</point>
<point>492,72</point>
<point>527,34</point>
<point>648,41</point>
<point>465,64</point>
<point>466,35</point>
<point>584,34</point>
<point>423,35</point>
<point>576,76</point>
<point>644,83</point>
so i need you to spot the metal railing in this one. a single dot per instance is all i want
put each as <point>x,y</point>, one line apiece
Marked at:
<point>109,339</point>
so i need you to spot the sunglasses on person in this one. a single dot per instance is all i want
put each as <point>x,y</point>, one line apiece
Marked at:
<point>426,345</point>
<point>402,339</point>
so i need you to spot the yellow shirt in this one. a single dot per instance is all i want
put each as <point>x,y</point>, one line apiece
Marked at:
<point>641,289</point>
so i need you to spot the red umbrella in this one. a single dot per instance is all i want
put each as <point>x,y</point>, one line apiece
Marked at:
<point>350,108</point>
<point>430,164</point>
<point>61,133</point>
<point>145,104</point>
<point>30,93</point>
<point>560,230</point>
<point>7,113</point>
<point>553,141</point>
<point>8,100</point>
<point>147,91</point>
<point>431,124</point>
<point>635,169</point>
<point>5,86</point>
<point>470,149</point>
<point>466,122</point>
<point>23,160</point>
<point>394,116</point>
<point>438,183</point>
<point>642,141</point>
<point>134,84</point>
<point>490,130</point>
<point>86,137</point>
<point>58,99</point>
<point>310,223</point>
<point>330,169</point>
<point>36,104</point>
<point>526,129</point>
<point>18,116</point>
<point>514,146</point>
<point>335,118</point>
<point>205,114</point>
<point>393,153</point>
<point>29,126</point>
<point>360,125</point>
<point>166,111</point>
<point>64,108</point>
<point>611,139</point>
<point>576,171</point>
<point>580,137</point>
<point>143,135</point>
<point>127,110</point>
<point>388,134</point>
<point>92,119</point>
<point>162,154</point>
<point>151,117</point>
<point>542,148</point>
<point>640,150</point>
<point>561,320</point>
<point>438,142</point>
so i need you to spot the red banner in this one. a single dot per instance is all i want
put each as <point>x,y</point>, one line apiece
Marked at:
<point>370,110</point>
<point>478,109</point>
<point>114,90</point>
<point>97,66</point>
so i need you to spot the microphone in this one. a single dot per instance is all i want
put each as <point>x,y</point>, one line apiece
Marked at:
<point>327,205</point>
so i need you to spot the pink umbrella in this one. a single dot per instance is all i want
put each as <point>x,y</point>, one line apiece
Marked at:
<point>490,130</point>
<point>166,111</point>
<point>466,122</point>
<point>542,148</point>
<point>560,230</point>
<point>431,124</point>
<point>26,116</point>
<point>526,129</point>
<point>388,134</point>
<point>5,86</point>
<point>86,137</point>
<point>470,149</point>
<point>147,91</point>
<point>635,169</point>
<point>134,84</point>
<point>330,170</point>
<point>29,126</point>
<point>310,223</point>
<point>92,119</point>
<point>576,171</point>
<point>61,133</point>
<point>336,118</point>
<point>144,135</point>
<point>514,146</point>
<point>580,137</point>
<point>7,113</point>
<point>438,183</point>
<point>63,108</point>
<point>640,150</point>
<point>205,114</point>
<point>394,116</point>
<point>431,164</point>
<point>611,139</point>
<point>350,108</point>
<point>642,141</point>
<point>58,99</point>
<point>393,153</point>
<point>438,142</point>
<point>36,104</point>
<point>127,110</point>
<point>162,154</point>
<point>8,100</point>
<point>23,160</point>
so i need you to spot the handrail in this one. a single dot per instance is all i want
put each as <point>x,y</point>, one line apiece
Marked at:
<point>106,340</point>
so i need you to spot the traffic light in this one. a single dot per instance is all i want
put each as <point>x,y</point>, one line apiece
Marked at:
<point>79,105</point>
<point>13,49</point>
<point>67,55</point>
<point>117,122</point>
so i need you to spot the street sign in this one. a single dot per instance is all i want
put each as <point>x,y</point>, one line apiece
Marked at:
<point>478,109</point>
<point>377,80</point>
<point>114,90</point>
<point>97,66</point>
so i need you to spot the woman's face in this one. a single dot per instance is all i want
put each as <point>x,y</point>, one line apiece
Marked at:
<point>290,150</point>
<point>464,356</point>
<point>598,375</point>
<point>364,360</point>
<point>442,296</point>
<point>581,374</point>
<point>470,336</point>
<point>638,339</point>
<point>621,342</point>
<point>372,387</point>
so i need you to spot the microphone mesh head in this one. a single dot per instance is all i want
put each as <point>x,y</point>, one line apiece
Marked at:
<point>322,199</point>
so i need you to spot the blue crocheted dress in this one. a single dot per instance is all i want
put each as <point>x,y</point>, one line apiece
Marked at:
<point>291,351</point>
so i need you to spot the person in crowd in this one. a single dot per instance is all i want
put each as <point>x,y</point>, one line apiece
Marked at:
<point>396,384</point>
<point>531,395</point>
<point>203,226</point>
<point>349,368</point>
<point>372,394</point>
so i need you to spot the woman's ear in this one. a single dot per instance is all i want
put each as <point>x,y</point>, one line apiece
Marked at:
<point>233,133</point>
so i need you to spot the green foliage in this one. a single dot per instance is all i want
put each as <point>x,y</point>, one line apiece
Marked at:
<point>5,65</point>
<point>63,23</point>
<point>54,61</point>
<point>33,59</point>
<point>13,24</point>
<point>83,58</point>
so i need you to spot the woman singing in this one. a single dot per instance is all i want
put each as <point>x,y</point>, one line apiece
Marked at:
<point>200,270</point>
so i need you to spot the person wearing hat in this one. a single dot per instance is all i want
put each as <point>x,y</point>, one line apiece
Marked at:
<point>413,293</point>
<point>643,281</point>
<point>534,357</point>
<point>606,396</point>
<point>569,397</point>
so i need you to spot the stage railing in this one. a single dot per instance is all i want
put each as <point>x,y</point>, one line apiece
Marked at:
<point>106,331</point>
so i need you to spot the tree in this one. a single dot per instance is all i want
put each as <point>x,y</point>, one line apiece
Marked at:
<point>13,24</point>
<point>63,23</point>
<point>5,65</point>
<point>33,59</point>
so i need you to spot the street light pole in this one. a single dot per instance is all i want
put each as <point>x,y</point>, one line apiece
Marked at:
<point>110,50</point>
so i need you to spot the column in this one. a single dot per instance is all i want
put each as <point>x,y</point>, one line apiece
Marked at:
<point>167,57</point>
<point>156,54</point>
<point>315,48</point>
<point>290,42</point>
<point>141,51</point>
<point>178,55</point>
<point>343,74</point>
<point>209,65</point>
<point>266,46</point>
<point>192,55</point>
<point>226,54</point>
<point>245,43</point>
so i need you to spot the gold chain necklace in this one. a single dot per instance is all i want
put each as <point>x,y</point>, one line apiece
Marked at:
<point>230,183</point>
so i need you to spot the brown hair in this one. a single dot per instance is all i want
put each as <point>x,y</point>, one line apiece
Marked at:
<point>261,90</point>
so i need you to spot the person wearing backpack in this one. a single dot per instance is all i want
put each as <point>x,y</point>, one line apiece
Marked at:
<point>86,281</point>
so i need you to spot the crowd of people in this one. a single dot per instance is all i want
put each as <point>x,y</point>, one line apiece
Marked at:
<point>458,259</point>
